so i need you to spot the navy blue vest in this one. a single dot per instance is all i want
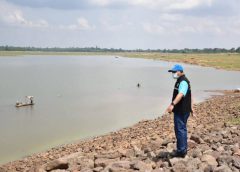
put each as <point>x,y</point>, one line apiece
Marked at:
<point>184,106</point>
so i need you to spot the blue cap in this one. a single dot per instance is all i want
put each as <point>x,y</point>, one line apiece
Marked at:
<point>176,68</point>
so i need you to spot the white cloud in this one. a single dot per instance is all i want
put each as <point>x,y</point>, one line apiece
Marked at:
<point>161,5</point>
<point>112,23</point>
<point>81,24</point>
<point>186,25</point>
<point>101,3</point>
<point>11,15</point>
<point>153,28</point>
<point>188,4</point>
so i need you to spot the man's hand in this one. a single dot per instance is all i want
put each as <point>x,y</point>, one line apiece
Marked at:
<point>193,113</point>
<point>169,109</point>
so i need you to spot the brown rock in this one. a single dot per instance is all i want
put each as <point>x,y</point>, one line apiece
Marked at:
<point>205,167</point>
<point>103,162</point>
<point>158,170</point>
<point>86,170</point>
<point>56,164</point>
<point>210,160</point>
<point>109,155</point>
<point>196,153</point>
<point>224,159</point>
<point>236,161</point>
<point>142,166</point>
<point>171,147</point>
<point>98,169</point>
<point>119,166</point>
<point>191,144</point>
<point>180,167</point>
<point>222,168</point>
<point>122,164</point>
<point>165,142</point>
<point>192,164</point>
<point>196,138</point>
<point>237,152</point>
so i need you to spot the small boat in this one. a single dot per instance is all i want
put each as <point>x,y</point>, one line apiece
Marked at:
<point>28,102</point>
<point>23,104</point>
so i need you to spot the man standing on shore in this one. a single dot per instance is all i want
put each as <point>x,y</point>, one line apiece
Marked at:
<point>181,106</point>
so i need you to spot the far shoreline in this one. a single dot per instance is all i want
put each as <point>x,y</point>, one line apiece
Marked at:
<point>225,61</point>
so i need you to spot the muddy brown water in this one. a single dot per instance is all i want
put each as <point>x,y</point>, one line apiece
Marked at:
<point>82,96</point>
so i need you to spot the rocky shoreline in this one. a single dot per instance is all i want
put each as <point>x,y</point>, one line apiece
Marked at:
<point>214,141</point>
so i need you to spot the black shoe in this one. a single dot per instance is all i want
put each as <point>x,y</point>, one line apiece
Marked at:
<point>178,154</point>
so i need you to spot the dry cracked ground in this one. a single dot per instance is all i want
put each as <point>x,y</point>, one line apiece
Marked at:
<point>214,140</point>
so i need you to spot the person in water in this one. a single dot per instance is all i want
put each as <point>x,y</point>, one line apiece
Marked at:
<point>181,106</point>
<point>31,100</point>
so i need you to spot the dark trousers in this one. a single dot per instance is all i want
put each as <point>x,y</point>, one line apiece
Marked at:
<point>180,127</point>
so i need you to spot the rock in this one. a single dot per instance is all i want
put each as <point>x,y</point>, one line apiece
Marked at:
<point>208,139</point>
<point>122,164</point>
<point>236,162</point>
<point>97,169</point>
<point>86,170</point>
<point>56,164</point>
<point>165,142</point>
<point>237,90</point>
<point>220,149</point>
<point>209,159</point>
<point>37,169</point>
<point>119,166</point>
<point>236,152</point>
<point>142,166</point>
<point>103,162</point>
<point>180,167</point>
<point>129,153</point>
<point>217,138</point>
<point>192,164</point>
<point>196,138</point>
<point>146,150</point>
<point>162,154</point>
<point>85,163</point>
<point>170,147</point>
<point>109,155</point>
<point>151,155</point>
<point>59,170</point>
<point>2,170</point>
<point>174,161</point>
<point>155,144</point>
<point>196,153</point>
<point>205,167</point>
<point>158,170</point>
<point>215,154</point>
<point>224,159</point>
<point>138,152</point>
<point>204,147</point>
<point>191,144</point>
<point>222,168</point>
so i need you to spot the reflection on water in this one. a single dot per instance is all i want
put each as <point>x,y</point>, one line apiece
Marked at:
<point>78,97</point>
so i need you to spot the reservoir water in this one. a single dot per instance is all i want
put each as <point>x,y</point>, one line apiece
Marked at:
<point>82,96</point>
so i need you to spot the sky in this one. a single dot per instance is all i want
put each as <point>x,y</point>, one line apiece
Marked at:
<point>127,24</point>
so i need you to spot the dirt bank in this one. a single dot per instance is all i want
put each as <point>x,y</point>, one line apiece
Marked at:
<point>214,138</point>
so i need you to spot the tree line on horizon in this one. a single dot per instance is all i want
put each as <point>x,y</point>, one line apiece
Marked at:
<point>97,49</point>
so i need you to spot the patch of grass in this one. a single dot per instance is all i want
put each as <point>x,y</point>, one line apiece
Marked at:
<point>234,121</point>
<point>224,60</point>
